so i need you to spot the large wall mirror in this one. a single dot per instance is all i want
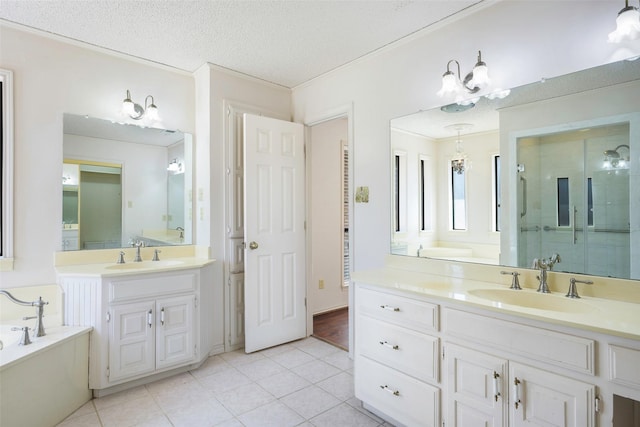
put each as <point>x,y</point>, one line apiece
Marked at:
<point>124,183</point>
<point>552,168</point>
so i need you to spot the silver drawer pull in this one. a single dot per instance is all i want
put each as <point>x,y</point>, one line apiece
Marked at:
<point>386,344</point>
<point>516,392</point>
<point>388,307</point>
<point>496,388</point>
<point>387,389</point>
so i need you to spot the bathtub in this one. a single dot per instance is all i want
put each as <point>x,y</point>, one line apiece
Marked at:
<point>43,382</point>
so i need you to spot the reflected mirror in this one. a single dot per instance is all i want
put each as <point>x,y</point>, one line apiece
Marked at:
<point>553,168</point>
<point>124,183</point>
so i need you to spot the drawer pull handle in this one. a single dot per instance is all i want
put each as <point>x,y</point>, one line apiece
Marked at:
<point>388,307</point>
<point>387,389</point>
<point>150,318</point>
<point>386,344</point>
<point>162,316</point>
<point>496,391</point>
<point>516,392</point>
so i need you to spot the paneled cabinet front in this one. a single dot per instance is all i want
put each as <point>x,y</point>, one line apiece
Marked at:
<point>396,361</point>
<point>151,335</point>
<point>144,324</point>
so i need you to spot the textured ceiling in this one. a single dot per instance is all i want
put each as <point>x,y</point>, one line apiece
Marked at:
<point>287,42</point>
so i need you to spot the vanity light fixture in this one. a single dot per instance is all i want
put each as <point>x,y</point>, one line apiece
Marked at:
<point>613,159</point>
<point>474,81</point>
<point>174,166</point>
<point>136,112</point>
<point>627,25</point>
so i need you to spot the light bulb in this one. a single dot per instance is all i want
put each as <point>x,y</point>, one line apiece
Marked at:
<point>627,25</point>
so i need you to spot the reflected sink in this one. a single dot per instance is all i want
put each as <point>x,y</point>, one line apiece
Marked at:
<point>145,264</point>
<point>530,299</point>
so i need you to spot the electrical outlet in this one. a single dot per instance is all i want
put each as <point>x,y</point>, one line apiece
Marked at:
<point>321,284</point>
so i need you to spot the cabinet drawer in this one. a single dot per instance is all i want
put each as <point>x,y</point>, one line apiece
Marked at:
<point>562,350</point>
<point>624,366</point>
<point>410,313</point>
<point>406,399</point>
<point>408,351</point>
<point>152,286</point>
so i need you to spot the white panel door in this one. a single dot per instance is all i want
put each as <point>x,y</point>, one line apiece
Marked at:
<point>175,330</point>
<point>476,388</point>
<point>132,340</point>
<point>274,216</point>
<point>541,398</point>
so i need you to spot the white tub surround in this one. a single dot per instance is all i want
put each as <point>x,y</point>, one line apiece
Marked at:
<point>45,381</point>
<point>151,319</point>
<point>459,344</point>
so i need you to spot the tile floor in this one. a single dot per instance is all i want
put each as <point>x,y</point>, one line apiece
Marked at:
<point>305,383</point>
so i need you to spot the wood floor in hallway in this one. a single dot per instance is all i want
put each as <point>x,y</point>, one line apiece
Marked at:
<point>333,327</point>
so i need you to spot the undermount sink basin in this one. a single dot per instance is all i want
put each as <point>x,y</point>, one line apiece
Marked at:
<point>145,264</point>
<point>552,302</point>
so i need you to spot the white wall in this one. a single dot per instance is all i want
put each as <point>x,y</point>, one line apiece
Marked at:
<point>325,216</point>
<point>52,78</point>
<point>521,42</point>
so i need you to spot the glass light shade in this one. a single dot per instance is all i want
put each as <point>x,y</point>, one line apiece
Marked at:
<point>152,113</point>
<point>480,76</point>
<point>451,85</point>
<point>128,107</point>
<point>627,26</point>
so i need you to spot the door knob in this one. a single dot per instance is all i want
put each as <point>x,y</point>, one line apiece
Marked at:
<point>253,245</point>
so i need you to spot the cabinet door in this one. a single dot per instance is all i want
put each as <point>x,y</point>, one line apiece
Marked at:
<point>131,340</point>
<point>174,329</point>
<point>475,384</point>
<point>547,399</point>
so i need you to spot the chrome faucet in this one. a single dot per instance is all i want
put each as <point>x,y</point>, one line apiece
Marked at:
<point>39,304</point>
<point>181,230</point>
<point>420,250</point>
<point>573,291</point>
<point>139,244</point>
<point>543,265</point>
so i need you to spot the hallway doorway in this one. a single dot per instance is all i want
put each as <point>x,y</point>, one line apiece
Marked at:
<point>328,230</point>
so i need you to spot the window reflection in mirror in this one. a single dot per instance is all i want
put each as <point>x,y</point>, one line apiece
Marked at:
<point>129,183</point>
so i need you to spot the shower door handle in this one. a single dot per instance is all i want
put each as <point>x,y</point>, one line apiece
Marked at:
<point>524,196</point>
<point>573,225</point>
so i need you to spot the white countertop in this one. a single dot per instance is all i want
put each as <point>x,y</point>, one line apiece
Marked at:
<point>129,268</point>
<point>589,313</point>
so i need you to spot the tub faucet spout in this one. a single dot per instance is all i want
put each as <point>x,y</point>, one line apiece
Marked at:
<point>38,304</point>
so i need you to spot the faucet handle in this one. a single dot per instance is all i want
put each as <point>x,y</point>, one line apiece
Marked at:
<point>155,255</point>
<point>573,290</point>
<point>120,258</point>
<point>515,282</point>
<point>24,339</point>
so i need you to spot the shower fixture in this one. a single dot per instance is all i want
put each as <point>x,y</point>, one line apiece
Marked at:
<point>614,160</point>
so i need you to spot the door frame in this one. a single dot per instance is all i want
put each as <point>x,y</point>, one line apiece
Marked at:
<point>339,112</point>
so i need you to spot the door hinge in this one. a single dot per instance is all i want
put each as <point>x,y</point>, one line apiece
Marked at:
<point>108,372</point>
<point>597,404</point>
<point>195,302</point>
<point>442,352</point>
<point>108,317</point>
<point>305,302</point>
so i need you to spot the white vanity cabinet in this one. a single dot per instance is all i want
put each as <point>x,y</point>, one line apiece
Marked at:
<point>145,323</point>
<point>151,335</point>
<point>396,356</point>
<point>488,390</point>
<point>421,361</point>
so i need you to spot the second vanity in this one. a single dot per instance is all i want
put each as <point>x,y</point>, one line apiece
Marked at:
<point>150,319</point>
<point>446,350</point>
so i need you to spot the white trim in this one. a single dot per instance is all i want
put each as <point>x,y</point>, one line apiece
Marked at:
<point>6,260</point>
